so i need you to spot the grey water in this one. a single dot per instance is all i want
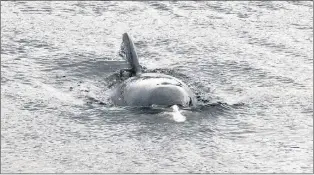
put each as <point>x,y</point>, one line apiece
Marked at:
<point>251,61</point>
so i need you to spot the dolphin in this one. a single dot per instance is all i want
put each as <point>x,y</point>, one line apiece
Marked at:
<point>148,89</point>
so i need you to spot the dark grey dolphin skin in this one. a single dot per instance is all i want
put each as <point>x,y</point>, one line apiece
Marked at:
<point>147,89</point>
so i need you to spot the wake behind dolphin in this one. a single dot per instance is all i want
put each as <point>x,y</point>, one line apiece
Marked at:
<point>148,89</point>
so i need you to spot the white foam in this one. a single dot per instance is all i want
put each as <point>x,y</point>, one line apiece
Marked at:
<point>177,116</point>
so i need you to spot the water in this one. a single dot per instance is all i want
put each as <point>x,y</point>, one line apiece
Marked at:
<point>253,62</point>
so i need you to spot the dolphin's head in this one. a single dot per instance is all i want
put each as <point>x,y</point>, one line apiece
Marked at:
<point>153,89</point>
<point>172,95</point>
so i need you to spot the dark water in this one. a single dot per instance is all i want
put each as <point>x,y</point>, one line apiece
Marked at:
<point>252,60</point>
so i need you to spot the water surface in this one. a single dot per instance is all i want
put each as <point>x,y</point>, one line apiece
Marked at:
<point>253,62</point>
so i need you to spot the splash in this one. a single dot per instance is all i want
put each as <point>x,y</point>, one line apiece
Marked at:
<point>177,116</point>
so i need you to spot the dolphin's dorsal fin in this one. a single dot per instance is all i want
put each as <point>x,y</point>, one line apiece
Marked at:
<point>130,54</point>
